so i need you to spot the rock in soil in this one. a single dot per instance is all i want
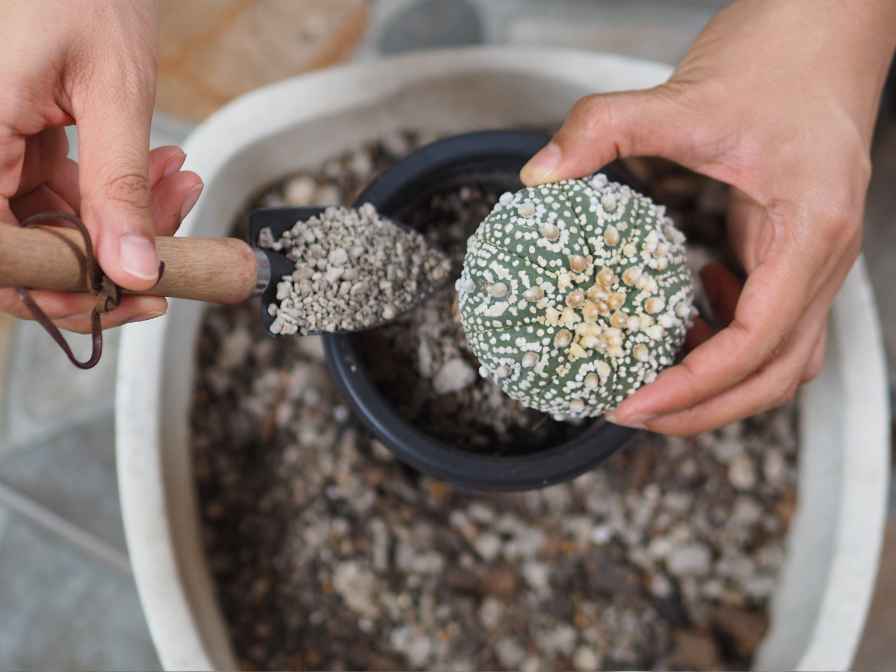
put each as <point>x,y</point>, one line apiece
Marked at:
<point>328,554</point>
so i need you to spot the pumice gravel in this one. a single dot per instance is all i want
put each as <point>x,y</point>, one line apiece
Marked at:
<point>354,270</point>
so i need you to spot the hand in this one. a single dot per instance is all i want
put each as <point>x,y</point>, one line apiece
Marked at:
<point>777,99</point>
<point>92,63</point>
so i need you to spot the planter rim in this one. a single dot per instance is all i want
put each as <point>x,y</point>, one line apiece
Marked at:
<point>158,507</point>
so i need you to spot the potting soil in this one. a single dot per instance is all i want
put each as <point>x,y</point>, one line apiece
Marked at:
<point>329,554</point>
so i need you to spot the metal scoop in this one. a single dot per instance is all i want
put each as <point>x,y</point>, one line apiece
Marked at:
<point>278,221</point>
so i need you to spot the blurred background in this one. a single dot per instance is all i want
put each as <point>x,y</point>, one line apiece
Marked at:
<point>61,540</point>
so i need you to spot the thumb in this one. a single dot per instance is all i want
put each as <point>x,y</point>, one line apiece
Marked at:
<point>116,197</point>
<point>604,127</point>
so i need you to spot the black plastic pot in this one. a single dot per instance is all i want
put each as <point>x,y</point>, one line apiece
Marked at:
<point>493,157</point>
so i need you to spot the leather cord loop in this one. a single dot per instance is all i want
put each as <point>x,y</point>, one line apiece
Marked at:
<point>108,294</point>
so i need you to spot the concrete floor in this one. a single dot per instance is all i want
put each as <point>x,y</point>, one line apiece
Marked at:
<point>67,599</point>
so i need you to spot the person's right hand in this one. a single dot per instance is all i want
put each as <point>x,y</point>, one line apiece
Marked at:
<point>91,63</point>
<point>777,99</point>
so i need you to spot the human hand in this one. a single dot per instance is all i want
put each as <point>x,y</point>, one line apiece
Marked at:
<point>777,99</point>
<point>92,63</point>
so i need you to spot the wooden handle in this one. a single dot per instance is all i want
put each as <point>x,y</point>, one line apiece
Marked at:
<point>217,270</point>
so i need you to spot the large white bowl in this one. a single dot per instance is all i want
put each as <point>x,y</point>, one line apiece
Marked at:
<point>835,539</point>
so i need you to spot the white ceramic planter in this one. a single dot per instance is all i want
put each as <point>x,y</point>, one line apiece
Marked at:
<point>835,538</point>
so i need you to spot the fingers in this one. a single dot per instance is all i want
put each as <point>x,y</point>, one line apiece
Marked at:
<point>816,360</point>
<point>173,199</point>
<point>114,176</point>
<point>163,162</point>
<point>132,309</point>
<point>55,304</point>
<point>605,127</point>
<point>723,290</point>
<point>44,153</point>
<point>772,386</point>
<point>773,299</point>
<point>42,199</point>
<point>72,311</point>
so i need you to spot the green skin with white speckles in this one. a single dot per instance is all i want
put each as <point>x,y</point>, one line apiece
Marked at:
<point>517,247</point>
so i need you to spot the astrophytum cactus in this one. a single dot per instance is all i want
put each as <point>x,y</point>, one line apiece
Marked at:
<point>575,294</point>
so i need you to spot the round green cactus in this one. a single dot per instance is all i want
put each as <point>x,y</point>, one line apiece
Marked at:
<point>575,294</point>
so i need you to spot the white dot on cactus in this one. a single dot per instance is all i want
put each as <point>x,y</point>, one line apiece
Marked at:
<point>597,293</point>
<point>650,377</point>
<point>656,332</point>
<point>616,300</point>
<point>654,305</point>
<point>618,320</point>
<point>506,198</point>
<point>599,181</point>
<point>662,264</point>
<point>662,249</point>
<point>592,381</point>
<point>611,236</point>
<point>530,359</point>
<point>613,336</point>
<point>534,294</point>
<point>603,370</point>
<point>606,277</point>
<point>497,290</point>
<point>590,342</point>
<point>576,351</point>
<point>666,321</point>
<point>569,316</point>
<point>616,351</point>
<point>526,210</point>
<point>630,250</point>
<point>550,231</point>
<point>502,372</point>
<point>578,263</point>
<point>563,338</point>
<point>590,311</point>
<point>483,372</point>
<point>608,201</point>
<point>576,405</point>
<point>631,275</point>
<point>632,323</point>
<point>682,309</point>
<point>640,352</point>
<point>575,298</point>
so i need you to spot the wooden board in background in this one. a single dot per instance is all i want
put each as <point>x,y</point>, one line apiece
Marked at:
<point>215,50</point>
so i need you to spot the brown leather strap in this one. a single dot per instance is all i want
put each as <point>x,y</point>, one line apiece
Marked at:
<point>107,292</point>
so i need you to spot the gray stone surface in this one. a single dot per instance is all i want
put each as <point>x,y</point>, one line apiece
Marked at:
<point>62,610</point>
<point>72,475</point>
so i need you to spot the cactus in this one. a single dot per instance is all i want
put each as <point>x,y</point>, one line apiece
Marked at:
<point>575,294</point>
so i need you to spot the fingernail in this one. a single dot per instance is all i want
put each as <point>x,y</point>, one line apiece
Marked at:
<point>139,257</point>
<point>542,167</point>
<point>632,423</point>
<point>174,164</point>
<point>191,200</point>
